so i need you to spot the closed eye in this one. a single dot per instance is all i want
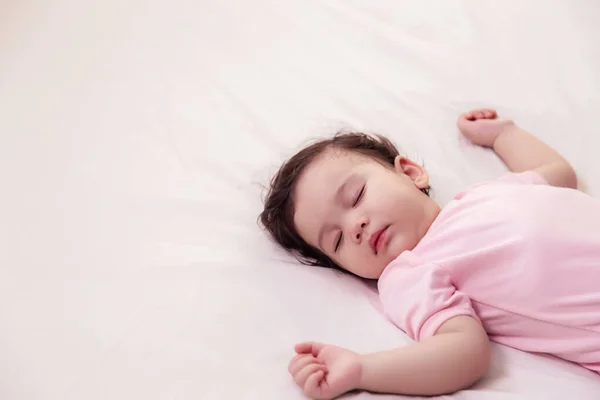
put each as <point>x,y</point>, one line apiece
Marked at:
<point>338,243</point>
<point>360,195</point>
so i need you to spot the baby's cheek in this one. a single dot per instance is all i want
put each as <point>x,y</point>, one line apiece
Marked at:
<point>396,246</point>
<point>355,262</point>
<point>365,265</point>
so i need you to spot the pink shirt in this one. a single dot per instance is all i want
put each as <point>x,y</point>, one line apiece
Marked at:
<point>521,256</point>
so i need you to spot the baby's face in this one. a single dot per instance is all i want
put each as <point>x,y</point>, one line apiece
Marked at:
<point>360,213</point>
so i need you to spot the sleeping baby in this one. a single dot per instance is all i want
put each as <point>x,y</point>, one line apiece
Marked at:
<point>515,260</point>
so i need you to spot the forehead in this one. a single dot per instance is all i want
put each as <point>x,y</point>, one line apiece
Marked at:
<point>327,168</point>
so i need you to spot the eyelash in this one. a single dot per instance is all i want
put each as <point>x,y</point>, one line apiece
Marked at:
<point>339,241</point>
<point>360,194</point>
<point>337,244</point>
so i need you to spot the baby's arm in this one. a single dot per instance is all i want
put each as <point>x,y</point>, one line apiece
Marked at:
<point>453,359</point>
<point>520,150</point>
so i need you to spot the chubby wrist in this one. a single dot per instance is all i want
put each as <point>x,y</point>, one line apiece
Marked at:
<point>363,362</point>
<point>506,130</point>
<point>371,373</point>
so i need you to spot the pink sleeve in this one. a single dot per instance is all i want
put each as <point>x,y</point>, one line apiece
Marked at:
<point>419,299</point>
<point>527,178</point>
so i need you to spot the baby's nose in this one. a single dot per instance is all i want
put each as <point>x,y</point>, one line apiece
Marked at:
<point>360,231</point>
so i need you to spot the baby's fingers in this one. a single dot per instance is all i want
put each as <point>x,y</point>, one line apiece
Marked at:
<point>489,113</point>
<point>313,348</point>
<point>312,386</point>
<point>301,361</point>
<point>302,376</point>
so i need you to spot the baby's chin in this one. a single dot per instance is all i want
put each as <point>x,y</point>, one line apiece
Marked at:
<point>394,249</point>
<point>383,266</point>
<point>384,262</point>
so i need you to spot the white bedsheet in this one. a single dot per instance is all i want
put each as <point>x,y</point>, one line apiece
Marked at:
<point>134,139</point>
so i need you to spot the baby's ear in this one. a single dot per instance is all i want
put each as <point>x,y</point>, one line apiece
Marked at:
<point>413,170</point>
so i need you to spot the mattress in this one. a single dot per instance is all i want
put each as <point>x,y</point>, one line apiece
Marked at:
<point>136,139</point>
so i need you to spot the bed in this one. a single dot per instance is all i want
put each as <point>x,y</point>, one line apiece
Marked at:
<point>136,138</point>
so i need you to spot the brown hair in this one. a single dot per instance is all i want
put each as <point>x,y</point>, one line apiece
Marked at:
<point>278,214</point>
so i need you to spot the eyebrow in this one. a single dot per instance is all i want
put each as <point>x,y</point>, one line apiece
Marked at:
<point>338,194</point>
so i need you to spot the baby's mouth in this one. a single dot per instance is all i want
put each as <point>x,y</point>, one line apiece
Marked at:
<point>377,238</point>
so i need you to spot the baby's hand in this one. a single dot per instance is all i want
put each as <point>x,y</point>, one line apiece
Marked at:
<point>482,127</point>
<point>324,371</point>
